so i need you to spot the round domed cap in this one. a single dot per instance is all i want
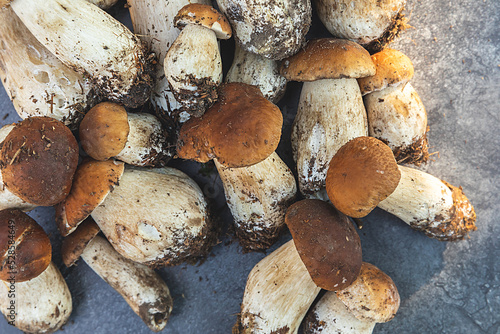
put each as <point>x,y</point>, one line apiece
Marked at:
<point>205,16</point>
<point>328,58</point>
<point>362,173</point>
<point>38,159</point>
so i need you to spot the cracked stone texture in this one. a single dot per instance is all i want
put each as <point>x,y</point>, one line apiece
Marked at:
<point>444,287</point>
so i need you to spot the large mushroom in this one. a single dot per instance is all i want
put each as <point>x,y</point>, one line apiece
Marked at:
<point>330,110</point>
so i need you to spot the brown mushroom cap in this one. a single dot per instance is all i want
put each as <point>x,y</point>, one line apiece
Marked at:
<point>241,129</point>
<point>393,67</point>
<point>372,297</point>
<point>205,16</point>
<point>74,244</point>
<point>38,159</point>
<point>25,249</point>
<point>93,182</point>
<point>326,241</point>
<point>328,58</point>
<point>362,173</point>
<point>104,130</point>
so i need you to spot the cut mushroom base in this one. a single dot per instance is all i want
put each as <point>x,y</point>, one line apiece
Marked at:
<point>258,197</point>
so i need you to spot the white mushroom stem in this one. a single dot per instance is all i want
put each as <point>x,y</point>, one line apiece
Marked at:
<point>258,197</point>
<point>36,81</point>
<point>103,4</point>
<point>329,114</point>
<point>397,116</point>
<point>253,69</point>
<point>141,287</point>
<point>428,204</point>
<point>278,293</point>
<point>155,216</point>
<point>153,22</point>
<point>331,316</point>
<point>92,42</point>
<point>40,305</point>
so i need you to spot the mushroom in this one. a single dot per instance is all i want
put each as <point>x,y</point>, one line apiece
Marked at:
<point>38,158</point>
<point>240,132</point>
<point>330,110</point>
<point>33,294</point>
<point>92,42</point>
<point>140,286</point>
<point>373,24</point>
<point>38,83</point>
<point>103,4</point>
<point>193,64</point>
<point>364,174</point>
<point>253,69</point>
<point>372,298</point>
<point>157,217</point>
<point>139,139</point>
<point>396,114</point>
<point>272,29</point>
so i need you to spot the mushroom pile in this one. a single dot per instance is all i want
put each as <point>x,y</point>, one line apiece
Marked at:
<point>106,112</point>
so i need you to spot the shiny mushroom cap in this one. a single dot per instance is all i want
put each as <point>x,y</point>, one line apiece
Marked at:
<point>205,16</point>
<point>327,243</point>
<point>393,67</point>
<point>362,173</point>
<point>38,159</point>
<point>74,244</point>
<point>241,129</point>
<point>328,58</point>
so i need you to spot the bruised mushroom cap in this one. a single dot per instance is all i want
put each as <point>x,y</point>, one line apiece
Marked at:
<point>74,244</point>
<point>93,182</point>
<point>104,130</point>
<point>393,67</point>
<point>205,16</point>
<point>241,129</point>
<point>362,173</point>
<point>326,241</point>
<point>38,159</point>
<point>328,58</point>
<point>372,297</point>
<point>32,248</point>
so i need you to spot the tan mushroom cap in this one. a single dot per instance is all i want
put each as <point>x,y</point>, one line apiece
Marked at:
<point>74,244</point>
<point>326,241</point>
<point>393,67</point>
<point>241,129</point>
<point>328,58</point>
<point>362,173</point>
<point>205,16</point>
<point>372,297</point>
<point>104,130</point>
<point>38,159</point>
<point>93,182</point>
<point>32,248</point>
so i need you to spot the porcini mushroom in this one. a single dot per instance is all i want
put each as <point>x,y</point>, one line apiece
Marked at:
<point>92,42</point>
<point>139,139</point>
<point>364,174</point>
<point>395,112</point>
<point>330,110</point>
<point>154,216</point>
<point>103,4</point>
<point>33,294</point>
<point>140,286</point>
<point>372,298</point>
<point>193,64</point>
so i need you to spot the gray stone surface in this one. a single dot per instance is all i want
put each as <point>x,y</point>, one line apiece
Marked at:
<point>444,287</point>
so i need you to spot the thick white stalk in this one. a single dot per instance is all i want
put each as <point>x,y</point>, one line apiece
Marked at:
<point>141,287</point>
<point>329,114</point>
<point>42,305</point>
<point>258,197</point>
<point>278,293</point>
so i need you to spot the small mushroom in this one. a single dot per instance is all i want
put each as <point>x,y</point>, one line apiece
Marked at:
<point>138,139</point>
<point>140,286</point>
<point>364,174</point>
<point>330,110</point>
<point>193,64</point>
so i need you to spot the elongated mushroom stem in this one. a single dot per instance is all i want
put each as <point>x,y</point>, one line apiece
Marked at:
<point>92,42</point>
